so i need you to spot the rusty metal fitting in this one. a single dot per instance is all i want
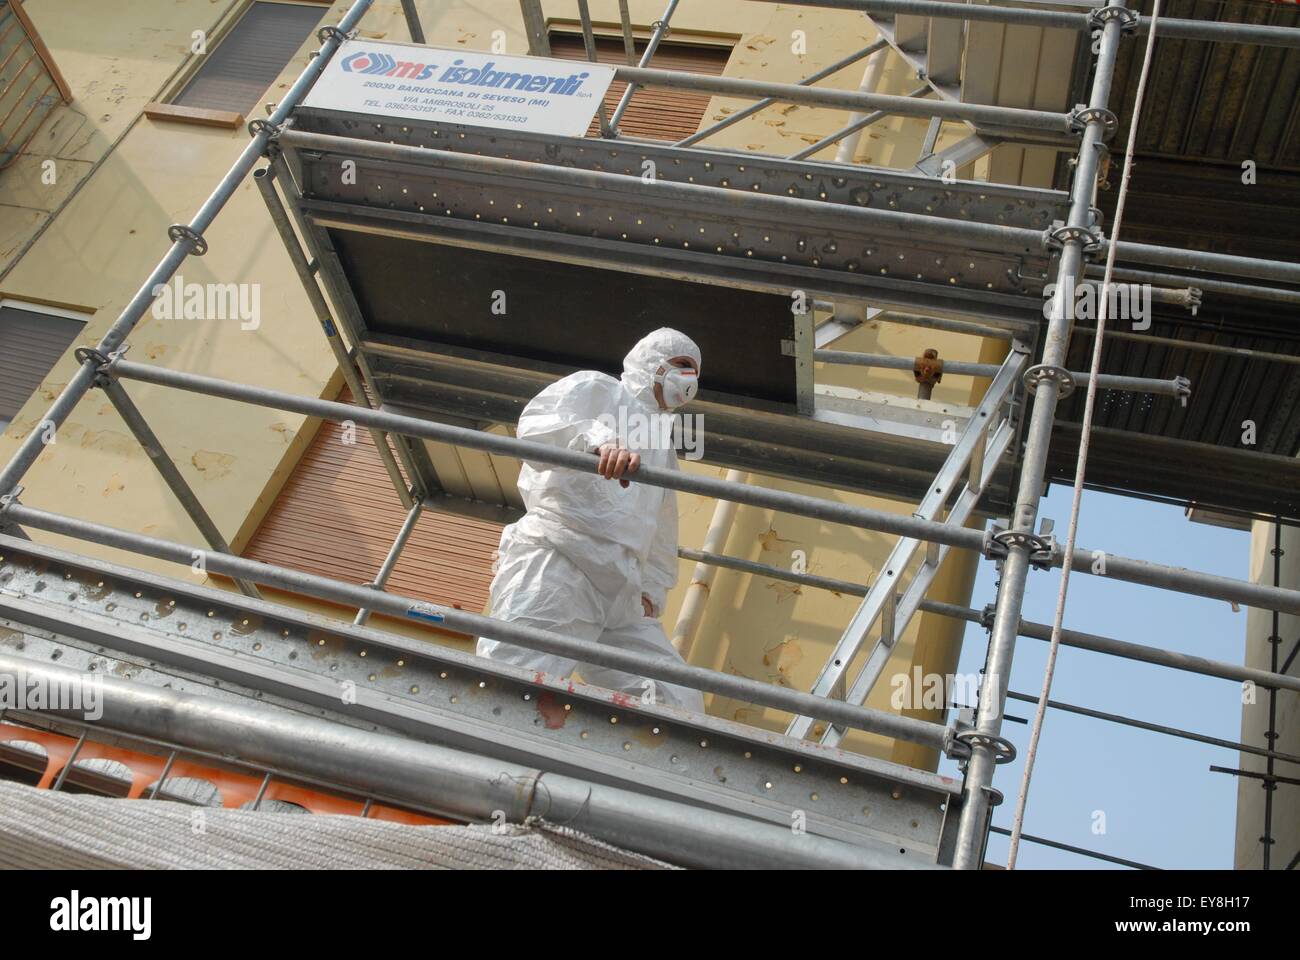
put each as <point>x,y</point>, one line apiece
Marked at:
<point>927,370</point>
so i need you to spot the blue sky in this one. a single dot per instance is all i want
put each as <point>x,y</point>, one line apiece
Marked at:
<point>1162,805</point>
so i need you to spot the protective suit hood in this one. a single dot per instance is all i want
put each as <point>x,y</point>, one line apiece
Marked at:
<point>653,351</point>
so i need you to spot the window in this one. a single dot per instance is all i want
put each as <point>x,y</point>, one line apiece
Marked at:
<point>32,338</point>
<point>337,515</point>
<point>245,62</point>
<point>660,114</point>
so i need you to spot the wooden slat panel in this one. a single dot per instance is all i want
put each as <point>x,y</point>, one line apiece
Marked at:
<point>661,114</point>
<point>338,515</point>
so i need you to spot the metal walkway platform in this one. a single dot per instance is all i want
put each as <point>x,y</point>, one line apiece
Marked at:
<point>93,616</point>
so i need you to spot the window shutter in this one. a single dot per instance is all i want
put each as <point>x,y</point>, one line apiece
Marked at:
<point>31,343</point>
<point>656,113</point>
<point>337,515</point>
<point>245,62</point>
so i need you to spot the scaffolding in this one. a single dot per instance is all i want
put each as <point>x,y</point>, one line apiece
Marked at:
<point>861,812</point>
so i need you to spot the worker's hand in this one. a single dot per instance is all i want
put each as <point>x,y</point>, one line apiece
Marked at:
<point>647,606</point>
<point>615,461</point>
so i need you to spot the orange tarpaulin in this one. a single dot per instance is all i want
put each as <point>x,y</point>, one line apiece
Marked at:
<point>235,789</point>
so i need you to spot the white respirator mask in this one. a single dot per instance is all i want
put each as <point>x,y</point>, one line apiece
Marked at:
<point>679,385</point>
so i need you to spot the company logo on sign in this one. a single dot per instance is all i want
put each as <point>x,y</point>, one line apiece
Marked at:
<point>384,65</point>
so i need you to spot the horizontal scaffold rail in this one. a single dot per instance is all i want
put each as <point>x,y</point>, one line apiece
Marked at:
<point>1142,653</point>
<point>1174,387</point>
<point>987,236</point>
<point>934,735</point>
<point>747,222</point>
<point>1166,577</point>
<point>870,221</point>
<point>990,118</point>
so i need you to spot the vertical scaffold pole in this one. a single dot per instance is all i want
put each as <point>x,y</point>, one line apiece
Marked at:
<point>413,21</point>
<point>1015,568</point>
<point>660,31</point>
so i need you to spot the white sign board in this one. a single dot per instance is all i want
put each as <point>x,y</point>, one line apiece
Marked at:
<point>536,94</point>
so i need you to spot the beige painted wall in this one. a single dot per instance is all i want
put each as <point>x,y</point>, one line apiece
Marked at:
<point>1254,716</point>
<point>115,60</point>
<point>109,230</point>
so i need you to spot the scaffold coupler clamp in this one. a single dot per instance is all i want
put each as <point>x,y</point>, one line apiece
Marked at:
<point>1182,389</point>
<point>8,500</point>
<point>1042,547</point>
<point>260,125</point>
<point>1004,751</point>
<point>1098,17</point>
<point>1059,233</point>
<point>1040,373</point>
<point>191,237</point>
<point>1083,115</point>
<point>327,33</point>
<point>953,748</point>
<point>103,361</point>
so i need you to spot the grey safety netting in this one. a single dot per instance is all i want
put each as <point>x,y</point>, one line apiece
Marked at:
<point>40,829</point>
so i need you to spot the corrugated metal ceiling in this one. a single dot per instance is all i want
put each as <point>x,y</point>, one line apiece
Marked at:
<point>1210,108</point>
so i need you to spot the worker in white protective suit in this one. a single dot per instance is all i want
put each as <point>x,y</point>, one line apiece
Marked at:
<point>595,556</point>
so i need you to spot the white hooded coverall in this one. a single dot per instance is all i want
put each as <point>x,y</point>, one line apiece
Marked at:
<point>588,548</point>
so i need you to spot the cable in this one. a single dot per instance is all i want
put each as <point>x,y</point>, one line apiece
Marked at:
<point>1084,437</point>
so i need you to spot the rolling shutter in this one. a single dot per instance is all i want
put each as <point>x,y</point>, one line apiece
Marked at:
<point>239,69</point>
<point>660,114</point>
<point>31,343</point>
<point>338,514</point>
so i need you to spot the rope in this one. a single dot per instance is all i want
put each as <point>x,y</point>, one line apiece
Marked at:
<point>1084,437</point>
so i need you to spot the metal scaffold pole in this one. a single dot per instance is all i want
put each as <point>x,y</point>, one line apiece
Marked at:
<point>413,21</point>
<point>987,744</point>
<point>661,31</point>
